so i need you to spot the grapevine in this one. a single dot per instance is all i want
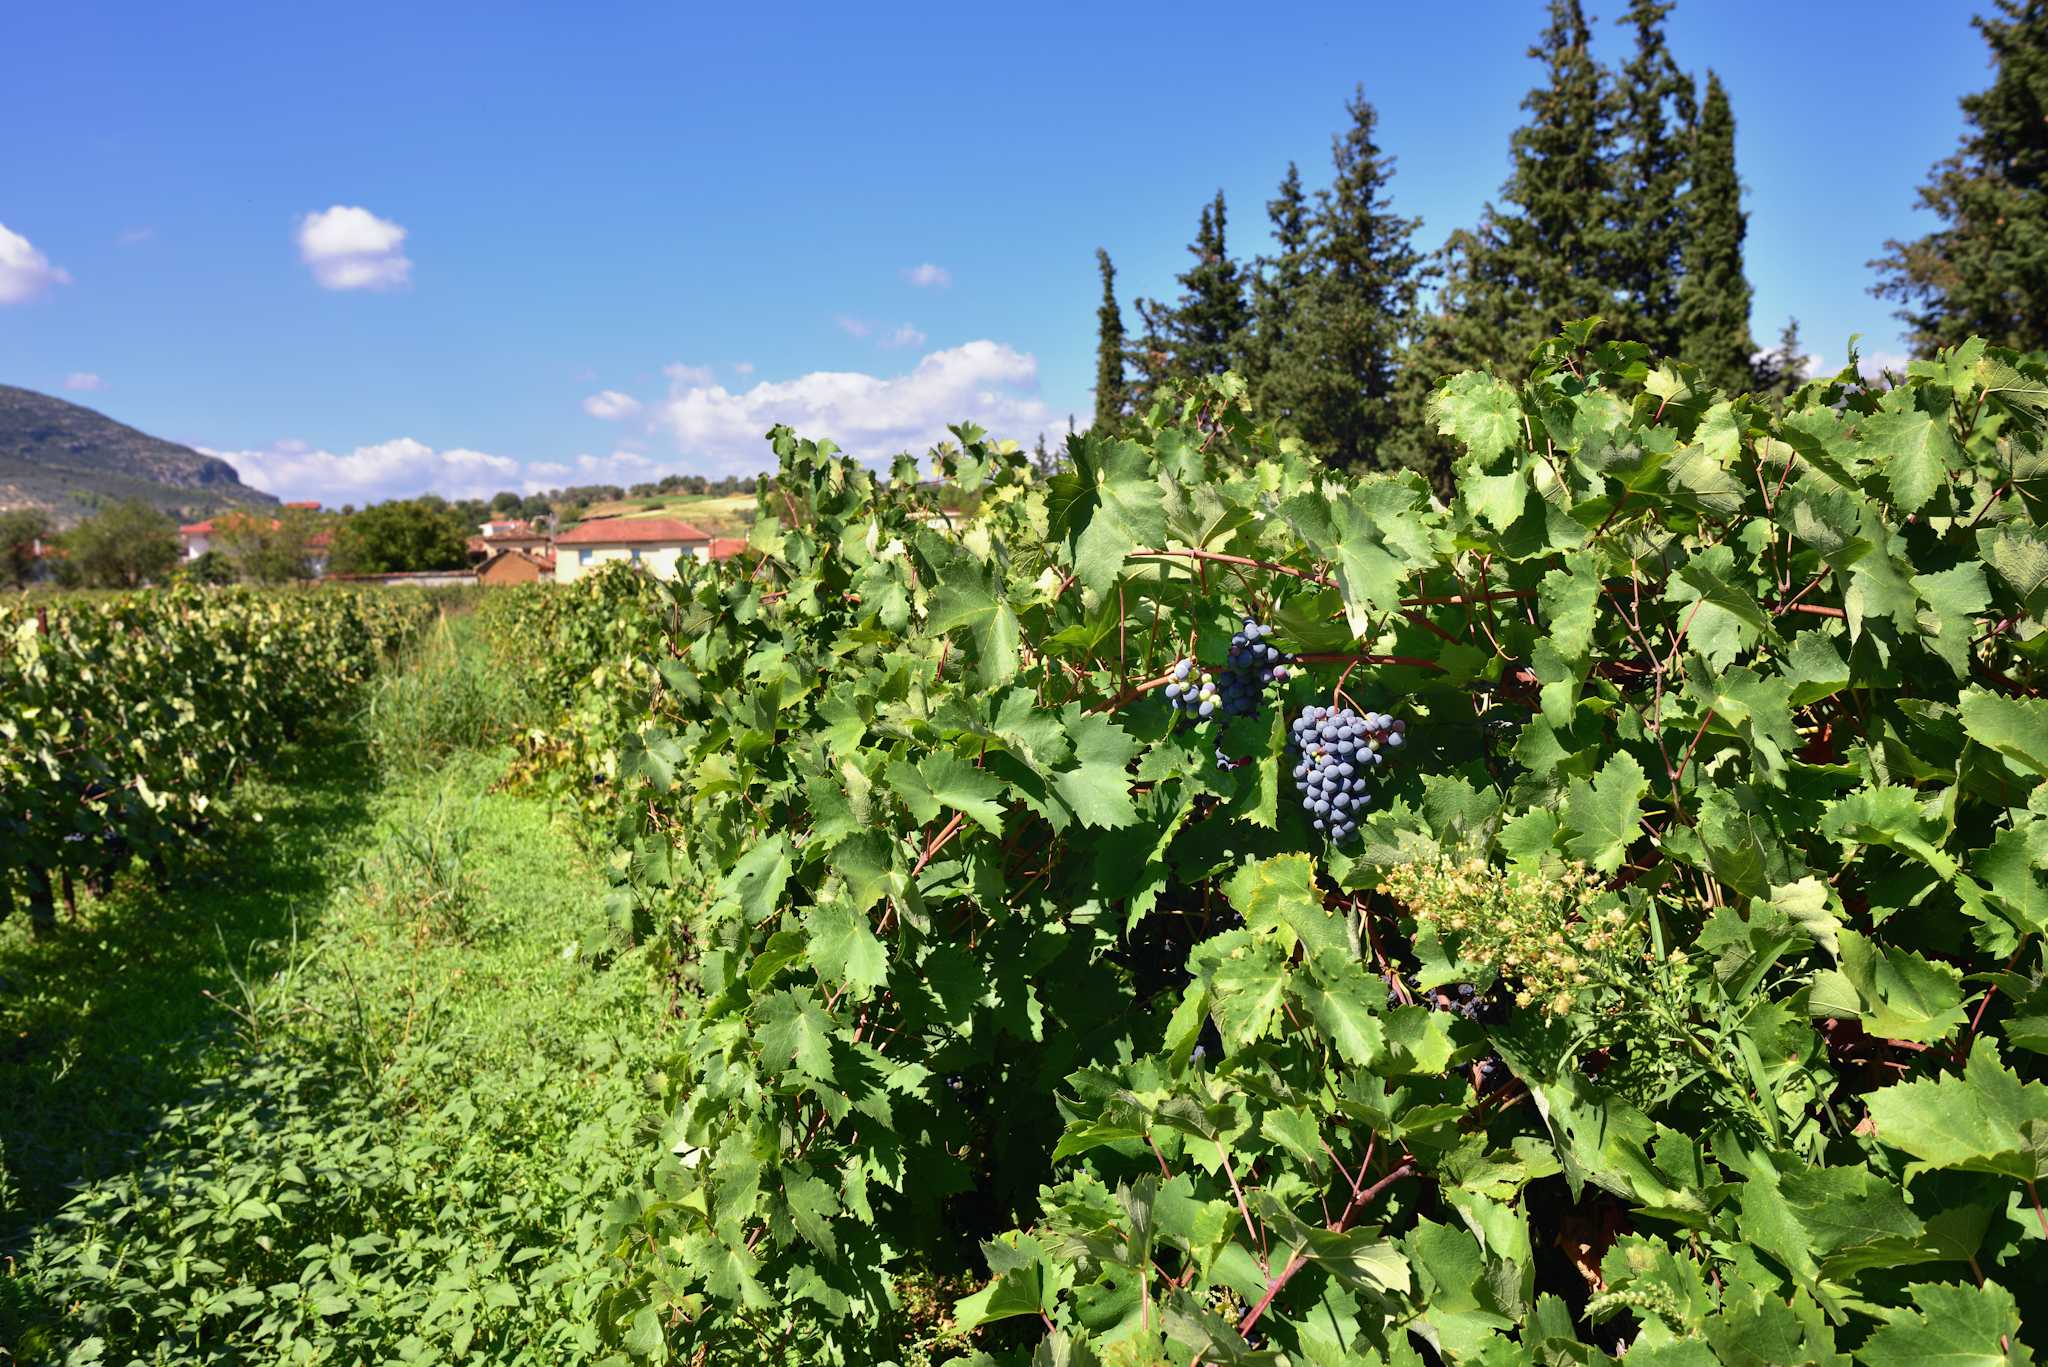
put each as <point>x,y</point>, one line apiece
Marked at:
<point>1724,867</point>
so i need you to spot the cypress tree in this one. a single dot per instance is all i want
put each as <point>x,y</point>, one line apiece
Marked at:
<point>1545,258</point>
<point>1656,109</point>
<point>1110,390</point>
<point>1336,371</point>
<point>1203,332</point>
<point>1276,286</point>
<point>1985,271</point>
<point>1713,300</point>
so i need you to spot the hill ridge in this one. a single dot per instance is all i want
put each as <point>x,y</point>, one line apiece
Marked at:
<point>69,459</point>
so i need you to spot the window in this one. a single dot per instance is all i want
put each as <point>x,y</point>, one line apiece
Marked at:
<point>636,555</point>
<point>583,556</point>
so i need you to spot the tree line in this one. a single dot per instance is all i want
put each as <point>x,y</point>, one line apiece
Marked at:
<point>1622,202</point>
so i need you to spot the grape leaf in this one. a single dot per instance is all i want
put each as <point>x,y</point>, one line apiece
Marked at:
<point>1604,817</point>
<point>1281,893</point>
<point>1987,1120</point>
<point>843,949</point>
<point>1956,1326</point>
<point>945,780</point>
<point>2015,727</point>
<point>792,1029</point>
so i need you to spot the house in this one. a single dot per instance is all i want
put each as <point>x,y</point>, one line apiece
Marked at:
<point>510,566</point>
<point>197,538</point>
<point>516,534</point>
<point>724,547</point>
<point>657,543</point>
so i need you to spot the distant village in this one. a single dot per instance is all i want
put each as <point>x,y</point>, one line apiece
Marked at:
<point>510,550</point>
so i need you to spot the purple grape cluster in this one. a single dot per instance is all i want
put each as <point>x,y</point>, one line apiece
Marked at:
<point>1460,999</point>
<point>1250,668</point>
<point>1335,749</point>
<point>1236,689</point>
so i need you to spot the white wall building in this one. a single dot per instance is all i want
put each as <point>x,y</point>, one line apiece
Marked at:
<point>656,543</point>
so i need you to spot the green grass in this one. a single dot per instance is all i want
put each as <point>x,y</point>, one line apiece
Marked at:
<point>359,1092</point>
<point>452,696</point>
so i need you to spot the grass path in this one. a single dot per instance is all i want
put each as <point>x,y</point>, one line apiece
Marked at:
<point>358,1093</point>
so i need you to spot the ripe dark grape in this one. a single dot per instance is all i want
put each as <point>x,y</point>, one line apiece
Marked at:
<point>1250,667</point>
<point>1335,749</point>
<point>1235,690</point>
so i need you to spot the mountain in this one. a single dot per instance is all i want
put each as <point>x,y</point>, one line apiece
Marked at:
<point>70,459</point>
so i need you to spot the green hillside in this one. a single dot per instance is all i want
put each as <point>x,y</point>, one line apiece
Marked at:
<point>70,459</point>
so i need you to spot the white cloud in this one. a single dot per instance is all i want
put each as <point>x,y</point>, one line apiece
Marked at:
<point>620,467</point>
<point>928,276</point>
<point>871,416</point>
<point>903,334</point>
<point>1869,364</point>
<point>398,468</point>
<point>350,248</point>
<point>83,380</point>
<point>688,374</point>
<point>547,467</point>
<point>742,367</point>
<point>24,271</point>
<point>611,405</point>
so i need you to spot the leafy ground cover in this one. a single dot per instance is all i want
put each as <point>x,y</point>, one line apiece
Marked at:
<point>358,1090</point>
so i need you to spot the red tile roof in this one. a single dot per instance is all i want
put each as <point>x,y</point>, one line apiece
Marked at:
<point>632,531</point>
<point>726,547</point>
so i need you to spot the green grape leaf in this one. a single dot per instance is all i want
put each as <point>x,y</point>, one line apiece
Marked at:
<point>1987,1120</point>
<point>1954,1326</point>
<point>945,780</point>
<point>1604,816</point>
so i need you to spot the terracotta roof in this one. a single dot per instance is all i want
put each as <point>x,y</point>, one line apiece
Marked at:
<point>726,547</point>
<point>545,562</point>
<point>632,531</point>
<point>311,505</point>
<point>324,537</point>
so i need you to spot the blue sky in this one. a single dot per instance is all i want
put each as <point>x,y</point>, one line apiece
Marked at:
<point>634,236</point>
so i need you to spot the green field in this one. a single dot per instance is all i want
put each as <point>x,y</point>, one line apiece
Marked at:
<point>712,512</point>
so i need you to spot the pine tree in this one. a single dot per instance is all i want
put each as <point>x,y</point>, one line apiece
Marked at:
<point>1276,286</point>
<point>1335,373</point>
<point>1203,332</point>
<point>1111,393</point>
<point>1656,109</point>
<point>1985,272</point>
<point>1782,370</point>
<point>1714,297</point>
<point>1545,258</point>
